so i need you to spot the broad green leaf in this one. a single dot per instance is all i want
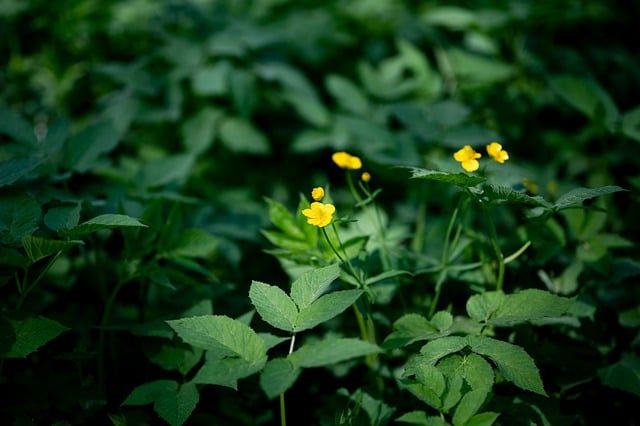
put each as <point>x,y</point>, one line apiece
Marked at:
<point>348,95</point>
<point>83,149</point>
<point>624,375</point>
<point>278,376</point>
<point>28,333</point>
<point>379,413</point>
<point>174,403</point>
<point>431,377</point>
<point>240,136</point>
<point>16,168</point>
<point>483,419</point>
<point>227,371</point>
<point>442,320</point>
<point>631,124</point>
<point>222,335</point>
<point>284,220</point>
<point>420,418</point>
<point>195,243</point>
<point>16,127</point>
<point>458,179</point>
<point>166,170</point>
<point>181,358</point>
<point>567,281</point>
<point>481,307</point>
<point>453,17</point>
<point>311,285</point>
<point>408,329</point>
<point>212,80</point>
<point>198,132</point>
<point>469,405</point>
<point>105,221</point>
<point>588,97</point>
<point>453,391</point>
<point>528,305</point>
<point>325,308</point>
<point>436,349</point>
<point>578,195</point>
<point>285,242</point>
<point>308,107</point>
<point>477,372</point>
<point>504,193</point>
<point>474,70</point>
<point>274,306</point>
<point>38,248</point>
<point>330,351</point>
<point>271,340</point>
<point>512,361</point>
<point>19,216</point>
<point>59,218</point>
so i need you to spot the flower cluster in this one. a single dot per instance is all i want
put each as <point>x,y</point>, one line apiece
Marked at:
<point>468,157</point>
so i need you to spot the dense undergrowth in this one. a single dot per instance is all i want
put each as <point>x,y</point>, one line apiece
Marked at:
<point>270,212</point>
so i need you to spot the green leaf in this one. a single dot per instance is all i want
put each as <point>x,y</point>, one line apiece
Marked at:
<point>408,329</point>
<point>348,95</point>
<point>274,306</point>
<point>578,195</point>
<point>588,97</point>
<point>308,107</point>
<point>16,127</point>
<point>38,248</point>
<point>278,376</point>
<point>222,335</point>
<point>28,333</point>
<point>172,402</point>
<point>105,221</point>
<point>226,371</point>
<point>284,220</point>
<point>526,306</point>
<point>240,136</point>
<point>286,242</point>
<point>469,405</point>
<point>504,193</point>
<point>311,285</point>
<point>420,418</point>
<point>483,419</point>
<point>83,149</point>
<point>512,361</point>
<point>442,320</point>
<point>429,386</point>
<point>474,70</point>
<point>436,349</point>
<point>458,179</point>
<point>631,124</point>
<point>196,243</point>
<point>198,132</point>
<point>166,170</point>
<point>325,308</point>
<point>477,372</point>
<point>212,80</point>
<point>19,216</point>
<point>181,358</point>
<point>62,218</point>
<point>624,375</point>
<point>456,18</point>
<point>16,168</point>
<point>481,307</point>
<point>330,351</point>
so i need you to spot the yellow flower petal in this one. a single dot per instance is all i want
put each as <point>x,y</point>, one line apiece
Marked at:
<point>366,177</point>
<point>317,193</point>
<point>494,149</point>
<point>345,160</point>
<point>467,156</point>
<point>319,214</point>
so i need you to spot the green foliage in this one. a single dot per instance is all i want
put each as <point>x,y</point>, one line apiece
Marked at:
<point>155,159</point>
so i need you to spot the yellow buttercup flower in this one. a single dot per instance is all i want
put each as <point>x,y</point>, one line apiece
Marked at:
<point>319,214</point>
<point>317,193</point>
<point>467,156</point>
<point>345,160</point>
<point>366,177</point>
<point>494,149</point>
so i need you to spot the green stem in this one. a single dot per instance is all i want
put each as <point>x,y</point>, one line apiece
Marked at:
<point>35,282</point>
<point>496,246</point>
<point>283,411</point>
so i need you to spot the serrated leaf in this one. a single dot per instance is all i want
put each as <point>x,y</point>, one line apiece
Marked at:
<point>442,320</point>
<point>181,358</point>
<point>172,402</point>
<point>481,307</point>
<point>330,351</point>
<point>624,375</point>
<point>105,221</point>
<point>19,216</point>
<point>504,193</point>
<point>325,308</point>
<point>420,418</point>
<point>469,405</point>
<point>278,376</point>
<point>28,333</point>
<point>273,305</point>
<point>453,392</point>
<point>436,349</point>
<point>408,329</point>
<point>459,179</point>
<point>222,335</point>
<point>38,248</point>
<point>512,361</point>
<point>227,371</point>
<point>578,195</point>
<point>311,285</point>
<point>16,168</point>
<point>483,419</point>
<point>59,218</point>
<point>477,372</point>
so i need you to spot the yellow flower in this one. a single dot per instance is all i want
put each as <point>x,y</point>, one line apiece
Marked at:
<point>468,157</point>
<point>319,214</point>
<point>531,186</point>
<point>366,177</point>
<point>345,160</point>
<point>318,193</point>
<point>494,149</point>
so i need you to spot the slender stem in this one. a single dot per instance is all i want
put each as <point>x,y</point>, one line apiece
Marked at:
<point>496,246</point>
<point>283,411</point>
<point>106,314</point>
<point>35,282</point>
